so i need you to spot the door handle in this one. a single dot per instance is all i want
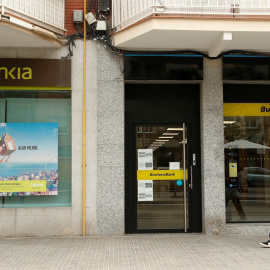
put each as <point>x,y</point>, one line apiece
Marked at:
<point>191,178</point>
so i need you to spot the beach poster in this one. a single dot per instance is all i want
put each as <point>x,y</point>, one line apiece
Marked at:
<point>28,159</point>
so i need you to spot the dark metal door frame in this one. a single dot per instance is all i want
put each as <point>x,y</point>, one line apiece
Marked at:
<point>139,113</point>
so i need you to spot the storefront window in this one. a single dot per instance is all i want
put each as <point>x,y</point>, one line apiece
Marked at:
<point>42,107</point>
<point>247,161</point>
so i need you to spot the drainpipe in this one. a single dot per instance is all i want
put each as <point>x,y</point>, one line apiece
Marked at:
<point>84,125</point>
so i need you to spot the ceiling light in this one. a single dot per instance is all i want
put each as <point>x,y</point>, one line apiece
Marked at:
<point>162,140</point>
<point>168,137</point>
<point>170,134</point>
<point>174,128</point>
<point>228,122</point>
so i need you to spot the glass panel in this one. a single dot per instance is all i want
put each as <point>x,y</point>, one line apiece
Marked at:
<point>161,205</point>
<point>28,108</point>
<point>247,165</point>
<point>2,110</point>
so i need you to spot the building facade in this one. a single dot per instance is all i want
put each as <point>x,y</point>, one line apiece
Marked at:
<point>162,122</point>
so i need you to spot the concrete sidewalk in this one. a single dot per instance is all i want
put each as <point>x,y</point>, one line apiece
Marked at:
<point>149,252</point>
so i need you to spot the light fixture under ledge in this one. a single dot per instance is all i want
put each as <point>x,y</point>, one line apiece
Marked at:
<point>162,140</point>
<point>169,134</point>
<point>157,143</point>
<point>174,129</point>
<point>168,137</point>
<point>228,122</point>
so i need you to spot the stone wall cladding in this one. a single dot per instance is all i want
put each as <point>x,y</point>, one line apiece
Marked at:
<point>212,145</point>
<point>110,143</point>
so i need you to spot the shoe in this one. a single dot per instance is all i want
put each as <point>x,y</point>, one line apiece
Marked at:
<point>243,218</point>
<point>266,244</point>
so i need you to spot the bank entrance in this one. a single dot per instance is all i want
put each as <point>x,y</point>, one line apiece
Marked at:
<point>162,158</point>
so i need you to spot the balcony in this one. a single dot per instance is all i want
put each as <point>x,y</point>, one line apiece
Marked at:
<point>31,23</point>
<point>211,26</point>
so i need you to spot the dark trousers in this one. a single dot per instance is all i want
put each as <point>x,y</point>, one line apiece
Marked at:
<point>231,194</point>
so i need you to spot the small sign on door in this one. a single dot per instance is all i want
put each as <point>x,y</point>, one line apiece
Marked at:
<point>145,159</point>
<point>145,190</point>
<point>174,165</point>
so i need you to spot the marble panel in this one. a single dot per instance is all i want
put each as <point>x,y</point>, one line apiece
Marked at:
<point>236,229</point>
<point>7,212</point>
<point>7,224</point>
<point>91,223</point>
<point>37,53</point>
<point>110,222</point>
<point>111,97</point>
<point>213,186</point>
<point>55,53</point>
<point>110,155</point>
<point>43,225</point>
<point>110,65</point>
<point>8,53</point>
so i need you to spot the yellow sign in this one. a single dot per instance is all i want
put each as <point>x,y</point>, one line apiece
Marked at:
<point>16,73</point>
<point>161,174</point>
<point>23,186</point>
<point>232,169</point>
<point>246,109</point>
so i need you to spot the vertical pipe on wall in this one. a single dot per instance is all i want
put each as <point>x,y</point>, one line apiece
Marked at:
<point>84,125</point>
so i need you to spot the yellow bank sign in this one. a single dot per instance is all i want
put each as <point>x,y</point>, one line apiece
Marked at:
<point>246,109</point>
<point>18,73</point>
<point>161,174</point>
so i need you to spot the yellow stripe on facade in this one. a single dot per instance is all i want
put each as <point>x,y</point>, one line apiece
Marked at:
<point>33,88</point>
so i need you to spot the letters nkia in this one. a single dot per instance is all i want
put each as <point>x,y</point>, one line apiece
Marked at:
<point>16,73</point>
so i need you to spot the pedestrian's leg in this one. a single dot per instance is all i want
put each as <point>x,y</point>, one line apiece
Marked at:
<point>238,207</point>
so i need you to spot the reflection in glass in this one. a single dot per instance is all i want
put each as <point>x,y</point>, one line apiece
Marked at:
<point>247,168</point>
<point>166,210</point>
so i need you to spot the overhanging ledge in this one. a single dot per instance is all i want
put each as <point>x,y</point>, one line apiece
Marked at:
<point>199,34</point>
<point>19,36</point>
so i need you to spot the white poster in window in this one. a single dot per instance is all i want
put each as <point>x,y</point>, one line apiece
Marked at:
<point>174,165</point>
<point>145,190</point>
<point>145,159</point>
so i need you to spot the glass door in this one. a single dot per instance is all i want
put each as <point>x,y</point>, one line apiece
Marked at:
<point>163,177</point>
